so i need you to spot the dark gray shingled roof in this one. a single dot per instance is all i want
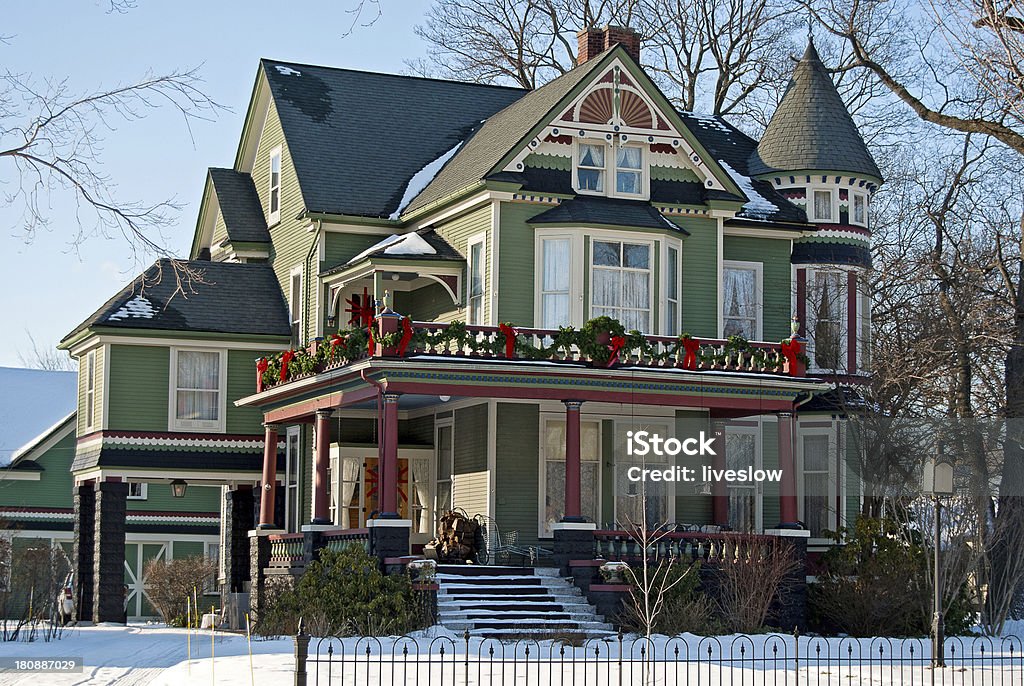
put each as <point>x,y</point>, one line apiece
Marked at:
<point>500,134</point>
<point>233,298</point>
<point>812,129</point>
<point>240,206</point>
<point>730,145</point>
<point>606,211</point>
<point>327,115</point>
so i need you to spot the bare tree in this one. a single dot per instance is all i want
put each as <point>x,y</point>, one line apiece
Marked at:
<point>47,358</point>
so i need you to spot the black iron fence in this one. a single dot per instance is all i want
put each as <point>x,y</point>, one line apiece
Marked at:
<point>740,660</point>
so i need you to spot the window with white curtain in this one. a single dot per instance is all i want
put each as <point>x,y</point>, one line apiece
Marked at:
<point>348,507</point>
<point>860,209</point>
<point>198,395</point>
<point>553,497</point>
<point>828,307</point>
<point>597,160</point>
<point>555,282</point>
<point>816,480</point>
<point>590,170</point>
<point>628,170</point>
<point>672,291</point>
<point>640,502</point>
<point>475,310</point>
<point>620,283</point>
<point>741,299</point>
<point>740,453</point>
<point>822,206</point>
<point>419,495</point>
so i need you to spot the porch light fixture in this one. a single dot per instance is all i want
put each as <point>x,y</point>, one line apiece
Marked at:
<point>444,398</point>
<point>178,487</point>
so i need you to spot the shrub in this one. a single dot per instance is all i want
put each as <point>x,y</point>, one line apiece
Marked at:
<point>685,608</point>
<point>752,582</point>
<point>171,583</point>
<point>877,584</point>
<point>345,594</point>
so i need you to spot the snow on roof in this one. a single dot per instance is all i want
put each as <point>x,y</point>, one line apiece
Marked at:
<point>421,178</point>
<point>399,244</point>
<point>33,399</point>
<point>756,205</point>
<point>136,308</point>
<point>287,71</point>
<point>42,435</point>
<point>707,121</point>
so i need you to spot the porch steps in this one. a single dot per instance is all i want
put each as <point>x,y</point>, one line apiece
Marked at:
<point>514,602</point>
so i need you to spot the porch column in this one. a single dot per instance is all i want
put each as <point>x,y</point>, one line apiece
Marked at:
<point>787,463</point>
<point>572,461</point>
<point>321,492</point>
<point>719,491</point>
<point>269,477</point>
<point>389,462</point>
<point>84,548</point>
<point>108,564</point>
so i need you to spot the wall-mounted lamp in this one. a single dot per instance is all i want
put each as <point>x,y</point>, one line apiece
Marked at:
<point>178,488</point>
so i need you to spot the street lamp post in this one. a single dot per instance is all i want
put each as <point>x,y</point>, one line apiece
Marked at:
<point>938,482</point>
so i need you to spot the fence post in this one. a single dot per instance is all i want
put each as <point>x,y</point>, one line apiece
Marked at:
<point>796,654</point>
<point>465,637</point>
<point>301,654</point>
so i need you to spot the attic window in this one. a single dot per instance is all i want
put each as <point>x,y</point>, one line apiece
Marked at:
<point>594,165</point>
<point>275,186</point>
<point>590,170</point>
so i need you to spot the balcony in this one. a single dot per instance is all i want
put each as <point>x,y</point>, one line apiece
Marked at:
<point>600,343</point>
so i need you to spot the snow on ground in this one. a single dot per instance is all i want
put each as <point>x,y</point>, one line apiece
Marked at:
<point>154,654</point>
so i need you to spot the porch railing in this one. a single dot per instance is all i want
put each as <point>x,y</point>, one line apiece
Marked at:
<point>711,548</point>
<point>402,337</point>
<point>286,550</point>
<point>342,539</point>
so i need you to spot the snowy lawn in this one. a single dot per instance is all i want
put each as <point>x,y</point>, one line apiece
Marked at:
<point>154,654</point>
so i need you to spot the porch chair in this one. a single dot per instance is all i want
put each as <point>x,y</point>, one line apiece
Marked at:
<point>502,546</point>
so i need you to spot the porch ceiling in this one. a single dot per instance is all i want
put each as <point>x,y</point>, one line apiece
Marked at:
<point>423,379</point>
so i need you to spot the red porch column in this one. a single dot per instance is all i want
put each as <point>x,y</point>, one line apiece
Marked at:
<point>719,492</point>
<point>321,464</point>
<point>269,476</point>
<point>389,461</point>
<point>572,461</point>
<point>787,463</point>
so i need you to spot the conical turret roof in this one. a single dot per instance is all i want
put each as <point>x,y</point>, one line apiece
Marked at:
<point>811,129</point>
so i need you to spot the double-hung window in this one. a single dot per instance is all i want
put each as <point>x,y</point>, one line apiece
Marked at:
<point>555,282</point>
<point>590,170</point>
<point>628,170</point>
<point>817,450</point>
<point>741,452</point>
<point>275,186</point>
<point>828,306</point>
<point>822,206</point>
<point>138,490</point>
<point>90,389</point>
<point>475,287</point>
<point>672,291</point>
<point>741,299</point>
<point>197,389</point>
<point>859,214</point>
<point>295,305</point>
<point>623,162</point>
<point>621,283</point>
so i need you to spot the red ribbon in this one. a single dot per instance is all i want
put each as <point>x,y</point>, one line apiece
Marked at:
<point>406,336</point>
<point>261,366</point>
<point>510,339</point>
<point>791,348</point>
<point>287,357</point>
<point>692,345</point>
<point>336,340</point>
<point>614,348</point>
<point>371,345</point>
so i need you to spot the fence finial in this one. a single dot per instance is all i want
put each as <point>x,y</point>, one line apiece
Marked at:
<point>302,627</point>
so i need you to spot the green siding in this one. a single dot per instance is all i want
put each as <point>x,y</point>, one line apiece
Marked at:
<point>55,483</point>
<point>851,479</point>
<point>98,391</point>
<point>188,549</point>
<point>516,263</point>
<point>458,232</point>
<point>471,439</point>
<point>699,263</point>
<point>692,507</point>
<point>426,304</point>
<point>517,475</point>
<point>339,247</point>
<point>774,256</point>
<point>159,499</point>
<point>242,382</point>
<point>139,377</point>
<point>770,460</point>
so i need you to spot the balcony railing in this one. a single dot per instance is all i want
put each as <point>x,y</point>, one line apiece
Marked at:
<point>286,550</point>
<point>600,343</point>
<point>343,539</point>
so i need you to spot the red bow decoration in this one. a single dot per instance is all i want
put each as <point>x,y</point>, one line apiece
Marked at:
<point>371,345</point>
<point>261,366</point>
<point>510,339</point>
<point>285,359</point>
<point>336,340</point>
<point>791,348</point>
<point>406,336</point>
<point>692,345</point>
<point>616,346</point>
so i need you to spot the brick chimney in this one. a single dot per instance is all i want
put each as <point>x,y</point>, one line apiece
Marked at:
<point>595,41</point>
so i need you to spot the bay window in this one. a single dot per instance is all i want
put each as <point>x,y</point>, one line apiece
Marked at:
<point>828,309</point>
<point>555,282</point>
<point>197,393</point>
<point>621,283</point>
<point>742,284</point>
<point>553,475</point>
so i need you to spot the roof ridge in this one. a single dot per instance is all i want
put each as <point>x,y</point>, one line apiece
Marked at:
<point>269,60</point>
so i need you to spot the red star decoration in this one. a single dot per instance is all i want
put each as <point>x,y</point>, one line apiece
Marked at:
<point>360,308</point>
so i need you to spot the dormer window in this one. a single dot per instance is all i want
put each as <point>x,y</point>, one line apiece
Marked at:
<point>822,206</point>
<point>860,209</point>
<point>594,165</point>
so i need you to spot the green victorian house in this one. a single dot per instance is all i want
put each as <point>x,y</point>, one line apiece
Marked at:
<point>381,332</point>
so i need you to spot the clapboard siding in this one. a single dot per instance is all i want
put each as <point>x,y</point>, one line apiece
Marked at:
<point>692,507</point>
<point>699,262</point>
<point>516,264</point>
<point>517,469</point>
<point>241,383</point>
<point>470,492</point>
<point>471,439</point>
<point>458,232</point>
<point>139,377</point>
<point>773,254</point>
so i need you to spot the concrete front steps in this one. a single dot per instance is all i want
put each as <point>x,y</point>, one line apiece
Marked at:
<point>514,602</point>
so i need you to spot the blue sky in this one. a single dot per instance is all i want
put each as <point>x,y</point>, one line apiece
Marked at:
<point>48,288</point>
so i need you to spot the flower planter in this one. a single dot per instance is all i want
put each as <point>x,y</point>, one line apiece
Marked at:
<point>613,572</point>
